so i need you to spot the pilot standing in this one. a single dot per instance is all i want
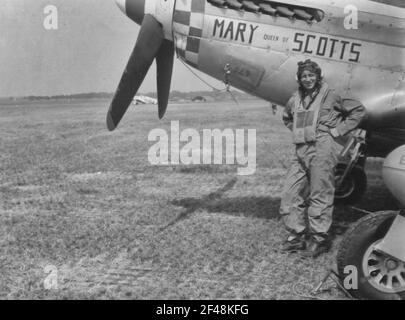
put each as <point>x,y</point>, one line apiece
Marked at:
<point>317,117</point>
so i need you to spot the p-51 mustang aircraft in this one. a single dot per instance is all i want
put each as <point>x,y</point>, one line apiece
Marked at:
<point>255,45</point>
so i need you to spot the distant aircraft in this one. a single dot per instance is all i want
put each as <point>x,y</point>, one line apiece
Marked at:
<point>144,100</point>
<point>254,45</point>
<point>199,99</point>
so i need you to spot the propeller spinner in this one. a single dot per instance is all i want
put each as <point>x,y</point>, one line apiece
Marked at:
<point>151,44</point>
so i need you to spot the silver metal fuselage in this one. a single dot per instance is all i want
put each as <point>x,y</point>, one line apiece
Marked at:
<point>366,64</point>
<point>262,51</point>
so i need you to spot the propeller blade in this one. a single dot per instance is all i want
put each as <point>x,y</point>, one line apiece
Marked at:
<point>147,45</point>
<point>164,64</point>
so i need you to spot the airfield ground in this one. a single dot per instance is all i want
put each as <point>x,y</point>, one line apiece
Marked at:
<point>85,205</point>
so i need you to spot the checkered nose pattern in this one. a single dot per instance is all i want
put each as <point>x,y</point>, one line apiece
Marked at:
<point>188,20</point>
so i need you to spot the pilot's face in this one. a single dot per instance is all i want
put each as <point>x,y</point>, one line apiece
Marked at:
<point>308,80</point>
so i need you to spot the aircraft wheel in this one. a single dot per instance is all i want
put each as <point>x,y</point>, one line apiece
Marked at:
<point>353,187</point>
<point>380,276</point>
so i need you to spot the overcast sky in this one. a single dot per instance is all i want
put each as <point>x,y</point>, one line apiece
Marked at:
<point>87,53</point>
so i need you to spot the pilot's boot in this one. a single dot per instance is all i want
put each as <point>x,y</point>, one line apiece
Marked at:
<point>294,243</point>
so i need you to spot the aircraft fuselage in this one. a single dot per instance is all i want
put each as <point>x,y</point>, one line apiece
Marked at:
<point>262,51</point>
<point>359,44</point>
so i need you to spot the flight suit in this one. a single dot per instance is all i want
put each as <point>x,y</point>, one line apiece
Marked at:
<point>308,195</point>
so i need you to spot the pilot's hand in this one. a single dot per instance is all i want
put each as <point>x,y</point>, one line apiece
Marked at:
<point>334,133</point>
<point>339,139</point>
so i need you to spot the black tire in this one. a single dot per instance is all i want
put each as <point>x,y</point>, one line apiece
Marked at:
<point>355,248</point>
<point>353,187</point>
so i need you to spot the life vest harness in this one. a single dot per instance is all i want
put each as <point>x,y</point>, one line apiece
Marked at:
<point>306,119</point>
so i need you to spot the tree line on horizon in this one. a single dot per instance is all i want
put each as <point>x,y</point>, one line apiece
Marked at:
<point>174,95</point>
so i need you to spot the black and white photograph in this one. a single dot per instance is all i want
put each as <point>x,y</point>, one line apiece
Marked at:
<point>210,151</point>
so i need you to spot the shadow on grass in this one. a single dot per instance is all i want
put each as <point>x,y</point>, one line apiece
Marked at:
<point>259,207</point>
<point>377,198</point>
<point>255,207</point>
<point>192,169</point>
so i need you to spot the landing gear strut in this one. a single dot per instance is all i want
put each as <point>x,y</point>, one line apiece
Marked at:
<point>350,178</point>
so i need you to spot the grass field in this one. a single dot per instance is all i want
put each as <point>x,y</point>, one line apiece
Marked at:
<point>85,205</point>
